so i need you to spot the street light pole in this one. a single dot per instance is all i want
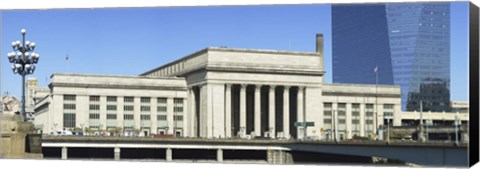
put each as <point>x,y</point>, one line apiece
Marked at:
<point>23,59</point>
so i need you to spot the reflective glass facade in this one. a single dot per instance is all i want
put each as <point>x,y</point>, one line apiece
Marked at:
<point>418,39</point>
<point>360,43</point>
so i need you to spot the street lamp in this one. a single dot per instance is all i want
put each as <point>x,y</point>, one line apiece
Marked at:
<point>23,59</point>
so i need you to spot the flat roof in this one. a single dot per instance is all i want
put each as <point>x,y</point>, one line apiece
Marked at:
<point>226,49</point>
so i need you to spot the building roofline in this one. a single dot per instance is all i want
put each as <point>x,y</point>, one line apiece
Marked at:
<point>115,76</point>
<point>225,49</point>
<point>361,85</point>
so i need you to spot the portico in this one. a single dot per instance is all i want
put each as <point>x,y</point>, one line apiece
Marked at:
<point>254,109</point>
<point>249,93</point>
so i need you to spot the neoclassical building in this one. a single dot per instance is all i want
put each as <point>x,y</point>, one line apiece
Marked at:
<point>221,92</point>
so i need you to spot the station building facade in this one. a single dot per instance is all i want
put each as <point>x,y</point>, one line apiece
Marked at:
<point>222,93</point>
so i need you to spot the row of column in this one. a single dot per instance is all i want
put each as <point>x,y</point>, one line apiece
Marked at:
<point>271,157</point>
<point>257,112</point>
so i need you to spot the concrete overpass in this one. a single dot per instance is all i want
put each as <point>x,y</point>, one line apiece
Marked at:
<point>277,151</point>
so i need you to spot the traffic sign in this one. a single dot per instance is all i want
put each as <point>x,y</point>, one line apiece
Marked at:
<point>307,124</point>
<point>429,123</point>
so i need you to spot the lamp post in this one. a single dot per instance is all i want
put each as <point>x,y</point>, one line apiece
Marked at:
<point>23,59</point>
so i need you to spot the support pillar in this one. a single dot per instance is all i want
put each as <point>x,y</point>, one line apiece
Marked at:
<point>258,116</point>
<point>243,110</point>
<point>228,110</point>
<point>271,112</point>
<point>170,116</point>
<point>168,154</point>
<point>279,157</point>
<point>64,153</point>
<point>116,153</point>
<point>286,112</point>
<point>219,155</point>
<point>300,113</point>
<point>191,113</point>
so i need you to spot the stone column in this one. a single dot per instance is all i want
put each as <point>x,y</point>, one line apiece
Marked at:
<point>168,154</point>
<point>228,110</point>
<point>219,155</point>
<point>116,153</point>
<point>243,107</point>
<point>271,112</point>
<point>362,120</point>
<point>348,121</point>
<point>300,112</point>
<point>64,153</point>
<point>170,115</point>
<point>257,111</point>
<point>192,113</point>
<point>185,114</point>
<point>286,112</point>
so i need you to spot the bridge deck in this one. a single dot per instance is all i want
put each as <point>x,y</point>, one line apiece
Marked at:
<point>99,139</point>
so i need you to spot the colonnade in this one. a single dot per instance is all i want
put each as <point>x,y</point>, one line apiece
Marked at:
<point>194,104</point>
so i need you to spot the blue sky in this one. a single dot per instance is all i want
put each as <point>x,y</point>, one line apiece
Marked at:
<point>130,41</point>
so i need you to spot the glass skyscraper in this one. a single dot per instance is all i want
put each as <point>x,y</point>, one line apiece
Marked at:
<point>408,42</point>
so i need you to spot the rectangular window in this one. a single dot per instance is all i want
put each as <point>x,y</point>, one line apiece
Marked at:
<point>94,98</point>
<point>94,116</point>
<point>388,106</point>
<point>128,108</point>
<point>369,107</point>
<point>178,105</point>
<point>111,116</point>
<point>161,108</point>
<point>94,127</point>
<point>355,113</point>
<point>144,117</point>
<point>69,120</point>
<point>111,128</point>
<point>128,116</point>
<point>145,99</point>
<point>341,110</point>
<point>178,118</point>
<point>178,109</point>
<point>161,117</point>
<point>178,101</point>
<point>355,107</point>
<point>94,107</point>
<point>112,107</point>
<point>111,99</point>
<point>128,99</point>
<point>388,111</point>
<point>327,121</point>
<point>69,106</point>
<point>162,100</point>
<point>327,110</point>
<point>145,108</point>
<point>69,97</point>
